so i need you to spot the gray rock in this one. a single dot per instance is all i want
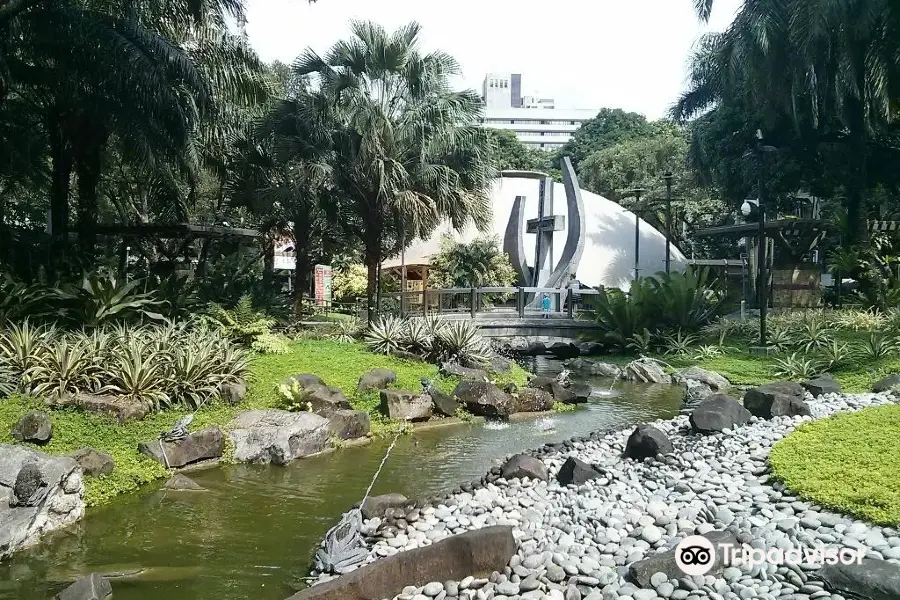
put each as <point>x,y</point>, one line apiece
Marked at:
<point>277,436</point>
<point>563,350</point>
<point>872,579</point>
<point>305,380</point>
<point>645,370</point>
<point>444,404</point>
<point>646,441</point>
<point>183,483</point>
<point>576,472</point>
<point>92,462</point>
<point>325,401</point>
<point>524,465</point>
<point>90,587</point>
<point>120,409</point>
<point>233,392</point>
<point>554,388</point>
<point>376,379</point>
<point>349,424</point>
<point>887,384</point>
<point>484,399</point>
<point>784,399</point>
<point>823,384</point>
<point>592,368</point>
<point>581,390</point>
<point>205,444</point>
<point>532,400</point>
<point>34,427</point>
<point>642,571</point>
<point>406,406</point>
<point>376,506</point>
<point>38,494</point>
<point>711,379</point>
<point>457,370</point>
<point>717,413</point>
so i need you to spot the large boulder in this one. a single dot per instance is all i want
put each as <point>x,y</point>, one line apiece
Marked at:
<point>349,424</point>
<point>717,413</point>
<point>326,401</point>
<point>695,392</point>
<point>92,462</point>
<point>784,399</point>
<point>592,368</point>
<point>532,400</point>
<point>454,369</point>
<point>646,441</point>
<point>376,379</point>
<point>120,409</point>
<point>872,579</point>
<point>581,390</point>
<point>278,436</point>
<point>406,406</point>
<point>484,399</point>
<point>182,483</point>
<point>233,392</point>
<point>887,384</point>
<point>499,365</point>
<point>642,571</point>
<point>590,348</point>
<point>305,380</point>
<point>477,553</point>
<point>559,392</point>
<point>376,506</point>
<point>821,385</point>
<point>524,465</point>
<point>205,444</point>
<point>90,587</point>
<point>576,472</point>
<point>645,370</point>
<point>563,350</point>
<point>38,494</point>
<point>710,379</point>
<point>444,404</point>
<point>34,427</point>
<point>535,349</point>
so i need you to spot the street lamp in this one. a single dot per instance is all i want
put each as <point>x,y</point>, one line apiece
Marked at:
<point>747,208</point>
<point>668,179</point>
<point>636,192</point>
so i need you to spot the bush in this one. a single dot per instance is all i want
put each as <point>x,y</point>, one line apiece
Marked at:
<point>432,338</point>
<point>248,327</point>
<point>847,463</point>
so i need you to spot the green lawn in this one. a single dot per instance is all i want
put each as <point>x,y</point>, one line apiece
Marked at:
<point>848,462</point>
<point>337,364</point>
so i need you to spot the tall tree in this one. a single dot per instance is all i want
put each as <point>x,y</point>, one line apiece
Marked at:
<point>408,149</point>
<point>609,127</point>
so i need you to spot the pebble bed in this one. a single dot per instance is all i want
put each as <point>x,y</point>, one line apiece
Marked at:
<point>576,543</point>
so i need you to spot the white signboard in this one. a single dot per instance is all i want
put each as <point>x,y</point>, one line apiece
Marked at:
<point>286,263</point>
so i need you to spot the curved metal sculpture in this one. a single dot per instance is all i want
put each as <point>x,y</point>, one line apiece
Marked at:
<point>544,273</point>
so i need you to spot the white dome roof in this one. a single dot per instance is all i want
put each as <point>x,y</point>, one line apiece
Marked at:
<point>608,257</point>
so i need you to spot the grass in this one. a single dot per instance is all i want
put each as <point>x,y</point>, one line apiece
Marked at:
<point>848,462</point>
<point>337,364</point>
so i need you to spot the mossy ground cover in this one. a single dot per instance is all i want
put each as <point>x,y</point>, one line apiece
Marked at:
<point>848,462</point>
<point>337,364</point>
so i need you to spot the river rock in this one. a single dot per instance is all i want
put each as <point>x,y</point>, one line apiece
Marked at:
<point>120,409</point>
<point>575,471</point>
<point>645,370</point>
<point>376,379</point>
<point>581,390</point>
<point>444,404</point>
<point>90,587</point>
<point>554,388</point>
<point>590,349</point>
<point>532,400</point>
<point>783,399</point>
<point>484,399</point>
<point>326,401</point>
<point>34,427</point>
<point>718,413</point>
<point>406,406</point>
<point>349,424</point>
<point>233,392</point>
<point>823,384</point>
<point>646,441</point>
<point>38,494</point>
<point>304,380</point>
<point>886,384</point>
<point>183,483</point>
<point>535,349</point>
<point>475,553</point>
<point>524,465</point>
<point>592,368</point>
<point>642,571</point>
<point>376,506</point>
<point>499,365</point>
<point>711,379</point>
<point>563,350</point>
<point>872,579</point>
<point>205,444</point>
<point>92,462</point>
<point>454,369</point>
<point>278,436</point>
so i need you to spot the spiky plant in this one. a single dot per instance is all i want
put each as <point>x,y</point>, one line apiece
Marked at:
<point>679,343</point>
<point>417,337</point>
<point>461,341</point>
<point>65,368</point>
<point>385,335</point>
<point>797,366</point>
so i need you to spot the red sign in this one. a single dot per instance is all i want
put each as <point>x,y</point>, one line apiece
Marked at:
<point>323,285</point>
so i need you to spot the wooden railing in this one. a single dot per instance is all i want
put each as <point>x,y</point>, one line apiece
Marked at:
<point>523,302</point>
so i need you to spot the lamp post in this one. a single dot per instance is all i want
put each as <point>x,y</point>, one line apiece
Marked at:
<point>668,179</point>
<point>636,192</point>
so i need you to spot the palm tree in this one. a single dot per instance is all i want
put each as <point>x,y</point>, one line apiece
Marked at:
<point>408,150</point>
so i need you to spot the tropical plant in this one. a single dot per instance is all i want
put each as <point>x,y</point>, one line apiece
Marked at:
<point>7,378</point>
<point>20,301</point>
<point>837,354</point>
<point>479,263</point>
<point>460,341</point>
<point>347,330</point>
<point>621,316</point>
<point>294,398</point>
<point>859,320</point>
<point>417,337</point>
<point>878,346</point>
<point>136,373</point>
<point>102,299</point>
<point>797,367</point>
<point>246,326</point>
<point>707,351</point>
<point>65,368</point>
<point>814,335</point>
<point>721,329</point>
<point>780,338</point>
<point>642,342</point>
<point>385,335</point>
<point>23,347</point>
<point>685,300</point>
<point>407,150</point>
<point>679,343</point>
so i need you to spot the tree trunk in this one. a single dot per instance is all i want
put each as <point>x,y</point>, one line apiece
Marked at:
<point>857,214</point>
<point>88,171</point>
<point>60,185</point>
<point>302,269</point>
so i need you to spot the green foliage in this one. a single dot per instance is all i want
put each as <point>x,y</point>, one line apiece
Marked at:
<point>508,153</point>
<point>837,354</point>
<point>246,326</point>
<point>877,346</point>
<point>641,342</point>
<point>797,367</point>
<point>846,463</point>
<point>349,283</point>
<point>608,128</point>
<point>815,335</point>
<point>20,300</point>
<point>347,330</point>
<point>385,335</point>
<point>562,407</point>
<point>479,263</point>
<point>779,338</point>
<point>460,341</point>
<point>103,299</point>
<point>294,398</point>
<point>433,339</point>
<point>679,343</point>
<point>707,352</point>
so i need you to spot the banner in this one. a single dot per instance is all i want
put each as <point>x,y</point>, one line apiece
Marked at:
<point>323,285</point>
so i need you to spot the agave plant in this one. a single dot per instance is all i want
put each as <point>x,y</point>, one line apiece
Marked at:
<point>797,367</point>
<point>103,299</point>
<point>385,335</point>
<point>780,338</point>
<point>417,337</point>
<point>836,354</point>
<point>135,374</point>
<point>642,342</point>
<point>7,379</point>
<point>195,373</point>
<point>347,331</point>
<point>814,334</point>
<point>20,301</point>
<point>65,368</point>
<point>461,341</point>
<point>878,346</point>
<point>679,344</point>
<point>706,352</point>
<point>23,347</point>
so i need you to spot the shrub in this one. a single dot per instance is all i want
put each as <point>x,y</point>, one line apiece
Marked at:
<point>797,367</point>
<point>248,327</point>
<point>837,354</point>
<point>878,346</point>
<point>680,343</point>
<point>347,331</point>
<point>102,299</point>
<point>460,340</point>
<point>814,334</point>
<point>385,335</point>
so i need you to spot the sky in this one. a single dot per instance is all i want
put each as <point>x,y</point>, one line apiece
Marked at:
<point>629,54</point>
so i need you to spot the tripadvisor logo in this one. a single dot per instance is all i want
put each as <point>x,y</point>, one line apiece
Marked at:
<point>695,555</point>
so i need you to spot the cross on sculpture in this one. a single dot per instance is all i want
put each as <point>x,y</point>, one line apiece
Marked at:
<point>544,226</point>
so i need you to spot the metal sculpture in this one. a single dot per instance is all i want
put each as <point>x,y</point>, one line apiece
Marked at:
<point>544,273</point>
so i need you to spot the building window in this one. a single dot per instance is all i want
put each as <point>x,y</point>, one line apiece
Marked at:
<point>545,122</point>
<point>572,123</point>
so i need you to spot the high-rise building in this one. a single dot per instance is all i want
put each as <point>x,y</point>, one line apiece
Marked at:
<point>535,120</point>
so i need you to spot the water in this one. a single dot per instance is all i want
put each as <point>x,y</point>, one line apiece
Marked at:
<point>256,528</point>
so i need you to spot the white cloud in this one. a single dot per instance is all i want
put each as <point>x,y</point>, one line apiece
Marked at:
<point>629,54</point>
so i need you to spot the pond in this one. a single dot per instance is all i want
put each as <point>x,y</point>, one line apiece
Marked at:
<point>255,529</point>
